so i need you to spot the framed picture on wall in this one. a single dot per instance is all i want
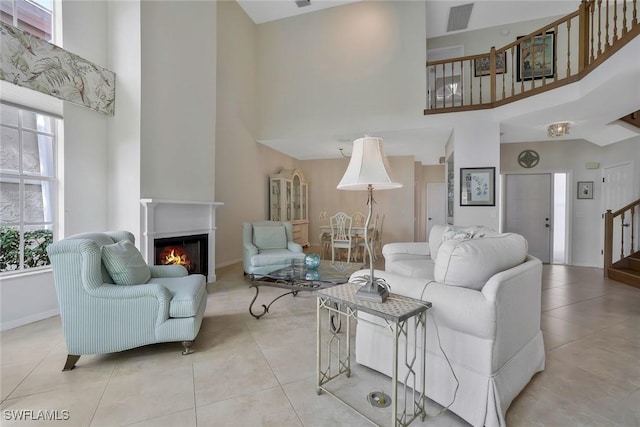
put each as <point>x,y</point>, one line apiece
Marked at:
<point>477,186</point>
<point>585,189</point>
<point>536,57</point>
<point>483,65</point>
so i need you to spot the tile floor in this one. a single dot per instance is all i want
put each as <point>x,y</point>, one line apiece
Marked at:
<point>248,372</point>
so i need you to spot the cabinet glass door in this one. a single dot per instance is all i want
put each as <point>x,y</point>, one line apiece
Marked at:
<point>288,201</point>
<point>275,200</point>
<point>304,212</point>
<point>296,197</point>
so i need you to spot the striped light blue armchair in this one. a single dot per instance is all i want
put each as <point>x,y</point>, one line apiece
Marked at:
<point>268,245</point>
<point>143,305</point>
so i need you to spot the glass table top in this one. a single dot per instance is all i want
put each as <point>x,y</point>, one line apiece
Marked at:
<point>328,272</point>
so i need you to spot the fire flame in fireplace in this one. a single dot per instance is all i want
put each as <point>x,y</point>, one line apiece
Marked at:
<point>175,255</point>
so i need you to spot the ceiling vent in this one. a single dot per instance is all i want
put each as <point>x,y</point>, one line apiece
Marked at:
<point>459,17</point>
<point>303,3</point>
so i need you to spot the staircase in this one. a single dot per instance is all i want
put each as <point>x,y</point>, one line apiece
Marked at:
<point>627,270</point>
<point>626,221</point>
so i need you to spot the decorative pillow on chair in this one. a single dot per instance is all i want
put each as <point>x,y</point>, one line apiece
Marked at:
<point>270,237</point>
<point>125,263</point>
<point>456,233</point>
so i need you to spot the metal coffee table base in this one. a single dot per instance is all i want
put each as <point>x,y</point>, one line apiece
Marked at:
<point>293,289</point>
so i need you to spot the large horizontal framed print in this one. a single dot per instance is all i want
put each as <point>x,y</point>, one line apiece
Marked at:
<point>477,186</point>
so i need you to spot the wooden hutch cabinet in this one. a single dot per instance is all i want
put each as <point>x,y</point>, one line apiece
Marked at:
<point>289,201</point>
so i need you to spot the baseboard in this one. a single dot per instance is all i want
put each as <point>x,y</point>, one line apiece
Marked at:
<point>29,319</point>
<point>228,263</point>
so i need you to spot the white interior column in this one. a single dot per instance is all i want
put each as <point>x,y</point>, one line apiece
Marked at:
<point>476,144</point>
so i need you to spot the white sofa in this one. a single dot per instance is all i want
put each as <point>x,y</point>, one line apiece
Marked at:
<point>485,290</point>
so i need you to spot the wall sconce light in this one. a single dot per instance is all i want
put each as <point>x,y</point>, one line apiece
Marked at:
<point>558,129</point>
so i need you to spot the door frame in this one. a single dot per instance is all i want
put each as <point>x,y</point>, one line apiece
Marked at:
<point>443,185</point>
<point>568,204</point>
<point>603,208</point>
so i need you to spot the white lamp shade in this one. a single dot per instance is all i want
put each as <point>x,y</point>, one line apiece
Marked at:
<point>368,166</point>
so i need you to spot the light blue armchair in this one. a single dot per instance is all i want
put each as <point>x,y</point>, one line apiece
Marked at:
<point>101,316</point>
<point>268,245</point>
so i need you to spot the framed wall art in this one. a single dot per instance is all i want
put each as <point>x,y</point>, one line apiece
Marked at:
<point>477,186</point>
<point>536,57</point>
<point>585,189</point>
<point>482,65</point>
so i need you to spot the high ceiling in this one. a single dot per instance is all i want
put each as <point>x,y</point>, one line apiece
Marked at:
<point>522,123</point>
<point>485,13</point>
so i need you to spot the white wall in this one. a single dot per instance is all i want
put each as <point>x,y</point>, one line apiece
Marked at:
<point>570,156</point>
<point>178,109</point>
<point>397,205</point>
<point>476,144</point>
<point>85,131</point>
<point>124,126</point>
<point>242,166</point>
<point>354,68</point>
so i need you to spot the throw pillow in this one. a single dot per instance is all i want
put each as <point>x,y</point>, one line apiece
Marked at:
<point>456,233</point>
<point>125,263</point>
<point>270,237</point>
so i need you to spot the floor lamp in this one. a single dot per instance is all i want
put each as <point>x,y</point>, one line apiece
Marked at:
<point>368,170</point>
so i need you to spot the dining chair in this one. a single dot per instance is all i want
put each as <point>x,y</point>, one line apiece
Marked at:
<point>358,219</point>
<point>341,237</point>
<point>377,237</point>
<point>325,237</point>
<point>362,246</point>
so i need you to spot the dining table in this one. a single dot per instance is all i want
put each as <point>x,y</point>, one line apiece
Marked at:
<point>355,231</point>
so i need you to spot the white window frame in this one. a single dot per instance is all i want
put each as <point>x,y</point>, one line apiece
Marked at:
<point>52,221</point>
<point>14,15</point>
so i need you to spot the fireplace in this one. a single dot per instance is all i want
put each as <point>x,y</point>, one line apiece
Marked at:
<point>188,251</point>
<point>163,223</point>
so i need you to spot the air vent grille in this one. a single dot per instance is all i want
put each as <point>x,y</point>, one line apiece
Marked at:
<point>459,17</point>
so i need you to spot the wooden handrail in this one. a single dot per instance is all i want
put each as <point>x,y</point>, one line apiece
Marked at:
<point>626,208</point>
<point>540,61</point>
<point>634,221</point>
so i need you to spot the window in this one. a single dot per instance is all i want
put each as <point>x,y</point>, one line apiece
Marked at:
<point>27,187</point>
<point>32,16</point>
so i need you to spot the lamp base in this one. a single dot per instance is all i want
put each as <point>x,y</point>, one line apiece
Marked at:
<point>372,292</point>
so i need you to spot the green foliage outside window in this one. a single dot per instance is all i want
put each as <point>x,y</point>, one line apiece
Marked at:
<point>35,248</point>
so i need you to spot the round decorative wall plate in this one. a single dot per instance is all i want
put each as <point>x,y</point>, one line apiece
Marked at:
<point>528,159</point>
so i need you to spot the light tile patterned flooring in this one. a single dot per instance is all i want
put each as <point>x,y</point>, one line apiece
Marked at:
<point>248,372</point>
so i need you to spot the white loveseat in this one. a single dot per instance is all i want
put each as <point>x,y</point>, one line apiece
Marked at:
<point>485,290</point>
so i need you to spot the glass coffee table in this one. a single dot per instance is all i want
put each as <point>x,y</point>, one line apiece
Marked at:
<point>296,277</point>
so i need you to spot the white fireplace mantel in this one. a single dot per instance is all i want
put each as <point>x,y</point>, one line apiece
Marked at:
<point>175,218</point>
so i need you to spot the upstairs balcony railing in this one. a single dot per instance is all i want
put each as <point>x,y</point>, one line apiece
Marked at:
<point>556,55</point>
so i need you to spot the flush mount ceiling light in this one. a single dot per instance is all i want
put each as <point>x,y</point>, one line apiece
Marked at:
<point>558,129</point>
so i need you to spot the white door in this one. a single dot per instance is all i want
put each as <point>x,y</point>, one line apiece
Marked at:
<point>528,211</point>
<point>436,205</point>
<point>617,192</point>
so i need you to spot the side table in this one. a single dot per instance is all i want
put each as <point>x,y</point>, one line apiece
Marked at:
<point>396,311</point>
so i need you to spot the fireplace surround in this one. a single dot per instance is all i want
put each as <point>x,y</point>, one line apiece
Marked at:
<point>176,220</point>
